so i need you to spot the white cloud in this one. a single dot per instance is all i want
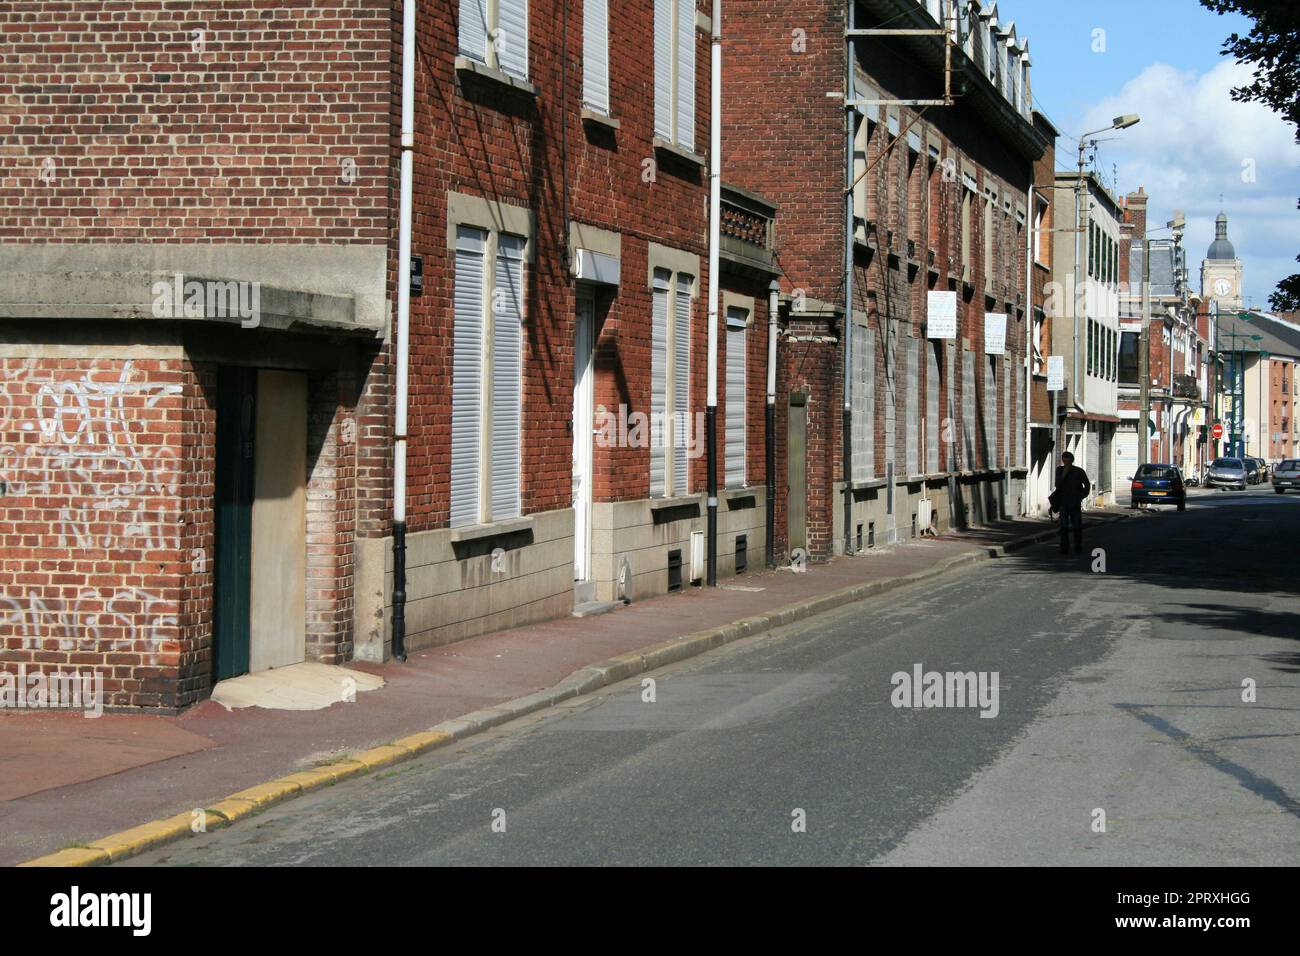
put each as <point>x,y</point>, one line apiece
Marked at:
<point>1193,144</point>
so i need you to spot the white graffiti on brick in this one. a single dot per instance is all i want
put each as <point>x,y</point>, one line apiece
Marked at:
<point>89,458</point>
<point>112,492</point>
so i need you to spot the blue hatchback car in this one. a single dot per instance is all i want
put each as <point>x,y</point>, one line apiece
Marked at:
<point>1159,485</point>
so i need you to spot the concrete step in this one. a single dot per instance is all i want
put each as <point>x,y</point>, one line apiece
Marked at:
<point>592,608</point>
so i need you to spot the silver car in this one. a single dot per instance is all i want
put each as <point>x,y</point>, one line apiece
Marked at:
<point>1226,473</point>
<point>1287,476</point>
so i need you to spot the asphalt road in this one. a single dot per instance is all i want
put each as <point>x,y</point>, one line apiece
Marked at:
<point>1120,692</point>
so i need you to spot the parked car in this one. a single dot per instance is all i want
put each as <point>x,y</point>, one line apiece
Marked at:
<point>1263,468</point>
<point>1226,473</point>
<point>1253,475</point>
<point>1287,475</point>
<point>1159,485</point>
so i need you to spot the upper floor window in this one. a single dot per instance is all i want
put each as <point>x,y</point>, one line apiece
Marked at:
<point>675,72</point>
<point>495,32</point>
<point>595,55</point>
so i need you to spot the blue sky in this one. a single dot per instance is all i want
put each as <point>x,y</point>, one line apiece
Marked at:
<point>1160,59</point>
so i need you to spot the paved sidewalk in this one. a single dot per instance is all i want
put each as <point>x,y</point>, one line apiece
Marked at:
<point>132,769</point>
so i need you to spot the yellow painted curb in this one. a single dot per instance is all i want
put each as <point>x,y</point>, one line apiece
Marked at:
<point>425,740</point>
<point>74,856</point>
<point>119,846</point>
<point>382,756</point>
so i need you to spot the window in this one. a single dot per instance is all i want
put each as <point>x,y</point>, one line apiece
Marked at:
<point>595,55</point>
<point>734,437</point>
<point>675,72</point>
<point>495,33</point>
<point>670,377</point>
<point>487,341</point>
<point>1040,235</point>
<point>863,403</point>
<point>966,193</point>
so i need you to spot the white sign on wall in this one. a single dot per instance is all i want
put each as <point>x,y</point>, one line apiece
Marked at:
<point>1055,373</point>
<point>941,315</point>
<point>995,333</point>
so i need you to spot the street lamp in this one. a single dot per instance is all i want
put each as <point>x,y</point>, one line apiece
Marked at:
<point>1081,220</point>
<point>1177,224</point>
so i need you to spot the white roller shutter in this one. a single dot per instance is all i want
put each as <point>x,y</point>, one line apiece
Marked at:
<point>912,403</point>
<point>659,383</point>
<point>686,73</point>
<point>859,403</point>
<point>991,413</point>
<point>595,55</point>
<point>466,375</point>
<point>682,423</point>
<point>932,406</point>
<point>1006,413</point>
<point>736,394</point>
<point>891,397</point>
<point>1021,423</point>
<point>968,409</point>
<point>507,365</point>
<point>473,29</point>
<point>664,68</point>
<point>512,36</point>
<point>947,427</point>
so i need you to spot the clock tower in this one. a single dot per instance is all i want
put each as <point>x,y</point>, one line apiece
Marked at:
<point>1221,270</point>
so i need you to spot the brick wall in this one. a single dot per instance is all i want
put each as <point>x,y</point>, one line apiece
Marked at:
<point>104,564</point>
<point>208,121</point>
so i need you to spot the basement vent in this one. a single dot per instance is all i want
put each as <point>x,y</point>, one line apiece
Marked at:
<point>871,534</point>
<point>859,537</point>
<point>675,570</point>
<point>697,557</point>
<point>913,524</point>
<point>742,552</point>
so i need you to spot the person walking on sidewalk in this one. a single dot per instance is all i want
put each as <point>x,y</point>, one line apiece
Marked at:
<point>1072,487</point>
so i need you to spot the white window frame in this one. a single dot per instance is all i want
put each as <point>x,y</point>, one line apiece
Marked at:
<point>481,36</point>
<point>485,465</point>
<point>736,422</point>
<point>678,110</point>
<point>595,46</point>
<point>669,442</point>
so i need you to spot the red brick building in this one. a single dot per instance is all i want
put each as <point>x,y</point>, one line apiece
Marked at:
<point>199,251</point>
<point>940,205</point>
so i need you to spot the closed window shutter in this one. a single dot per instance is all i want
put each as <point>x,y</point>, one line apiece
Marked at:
<point>595,54</point>
<point>932,406</point>
<point>889,345</point>
<point>858,405</point>
<point>991,414</point>
<point>686,73</point>
<point>507,365</point>
<point>968,408</point>
<point>1020,422</point>
<point>913,395</point>
<point>664,68</point>
<point>1006,413</point>
<point>682,424</point>
<point>467,375</point>
<point>949,436</point>
<point>659,383</point>
<point>735,435</point>
<point>473,29</point>
<point>512,37</point>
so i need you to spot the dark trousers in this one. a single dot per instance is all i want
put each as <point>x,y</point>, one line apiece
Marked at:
<point>1072,518</point>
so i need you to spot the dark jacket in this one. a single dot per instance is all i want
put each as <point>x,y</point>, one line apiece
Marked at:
<point>1072,487</point>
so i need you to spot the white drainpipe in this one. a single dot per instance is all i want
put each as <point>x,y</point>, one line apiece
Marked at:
<point>402,345</point>
<point>715,221</point>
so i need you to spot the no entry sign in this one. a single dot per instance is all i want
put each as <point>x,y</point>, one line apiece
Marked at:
<point>1217,430</point>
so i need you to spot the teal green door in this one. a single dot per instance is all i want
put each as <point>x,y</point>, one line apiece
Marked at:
<point>233,511</point>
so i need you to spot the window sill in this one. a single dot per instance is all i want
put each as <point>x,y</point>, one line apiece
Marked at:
<point>495,529</point>
<point>680,152</point>
<point>868,484</point>
<point>597,118</point>
<point>467,65</point>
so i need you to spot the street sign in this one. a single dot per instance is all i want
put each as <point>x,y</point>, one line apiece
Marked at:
<point>1055,373</point>
<point>1217,431</point>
